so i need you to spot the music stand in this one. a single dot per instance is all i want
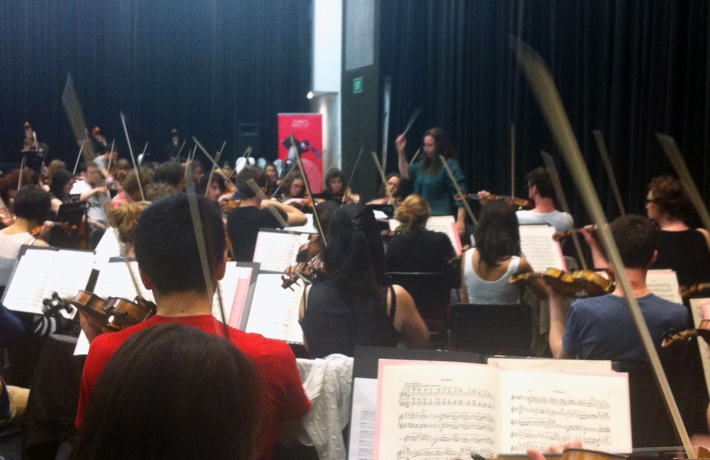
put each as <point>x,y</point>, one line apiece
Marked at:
<point>71,214</point>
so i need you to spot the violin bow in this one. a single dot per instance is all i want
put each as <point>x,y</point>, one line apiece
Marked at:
<point>22,170</point>
<point>142,155</point>
<point>459,192</point>
<point>177,157</point>
<point>673,154</point>
<point>553,111</point>
<point>316,218</point>
<point>357,161</point>
<point>262,196</point>
<point>601,146</point>
<point>133,158</point>
<point>335,162</point>
<point>198,226</point>
<point>110,157</point>
<point>212,170</point>
<point>287,173</point>
<point>214,163</point>
<point>78,157</point>
<point>384,179</point>
<point>559,191</point>
<point>72,107</point>
<point>416,154</point>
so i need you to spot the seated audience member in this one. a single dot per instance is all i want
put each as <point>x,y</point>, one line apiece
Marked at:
<point>169,265</point>
<point>145,403</point>
<point>60,190</point>
<point>414,248</point>
<point>486,269</point>
<point>393,189</point>
<point>171,173</point>
<point>243,223</point>
<point>353,305</point>
<point>602,327</point>
<point>293,190</point>
<point>683,249</point>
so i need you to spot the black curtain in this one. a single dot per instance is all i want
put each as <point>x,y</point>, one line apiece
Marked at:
<point>628,68</point>
<point>201,67</point>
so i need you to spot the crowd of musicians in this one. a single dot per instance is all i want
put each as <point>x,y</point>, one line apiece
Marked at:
<point>174,390</point>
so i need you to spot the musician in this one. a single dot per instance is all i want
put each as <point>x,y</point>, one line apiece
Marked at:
<point>30,137</point>
<point>602,327</point>
<point>169,265</point>
<point>60,190</point>
<point>54,166</point>
<point>294,190</point>
<point>170,153</point>
<point>32,205</point>
<point>103,159</point>
<point>429,177</point>
<point>217,188</point>
<point>243,223</point>
<point>171,173</point>
<point>683,249</point>
<point>131,188</point>
<point>99,141</point>
<point>485,269</point>
<point>542,193</point>
<point>391,189</point>
<point>124,219</point>
<point>353,305</point>
<point>175,392</point>
<point>90,190</point>
<point>122,169</point>
<point>274,179</point>
<point>414,248</point>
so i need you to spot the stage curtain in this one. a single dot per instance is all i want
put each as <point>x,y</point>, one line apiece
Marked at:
<point>199,66</point>
<point>628,68</point>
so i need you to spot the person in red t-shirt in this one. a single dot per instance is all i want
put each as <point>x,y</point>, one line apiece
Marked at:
<point>169,265</point>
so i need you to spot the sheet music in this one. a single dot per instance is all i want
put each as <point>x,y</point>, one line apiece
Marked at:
<point>276,251</point>
<point>107,248</point>
<point>274,310</point>
<point>115,281</point>
<point>82,345</point>
<point>664,283</point>
<point>697,308</point>
<point>228,289</point>
<point>41,272</point>
<point>308,227</point>
<point>362,422</point>
<point>574,366</point>
<point>234,308</point>
<point>540,250</point>
<point>543,408</point>
<point>450,411</point>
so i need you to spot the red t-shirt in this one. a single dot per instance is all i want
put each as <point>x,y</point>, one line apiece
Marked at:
<point>273,359</point>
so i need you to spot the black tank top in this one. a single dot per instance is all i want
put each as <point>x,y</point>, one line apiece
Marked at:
<point>686,252</point>
<point>334,323</point>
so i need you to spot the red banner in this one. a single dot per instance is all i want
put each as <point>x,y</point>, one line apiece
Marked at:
<point>307,129</point>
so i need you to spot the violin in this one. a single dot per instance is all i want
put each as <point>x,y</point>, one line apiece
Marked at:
<point>570,232</point>
<point>349,197</point>
<point>580,283</point>
<point>673,336</point>
<point>520,202</point>
<point>308,263</point>
<point>693,289</point>
<point>114,313</point>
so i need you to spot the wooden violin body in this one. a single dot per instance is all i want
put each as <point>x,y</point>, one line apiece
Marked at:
<point>308,263</point>
<point>674,336</point>
<point>520,202</point>
<point>114,313</point>
<point>581,283</point>
<point>694,289</point>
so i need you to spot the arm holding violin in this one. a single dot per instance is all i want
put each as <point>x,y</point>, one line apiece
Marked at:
<point>94,191</point>
<point>294,216</point>
<point>598,258</point>
<point>525,267</point>
<point>558,320</point>
<point>407,319</point>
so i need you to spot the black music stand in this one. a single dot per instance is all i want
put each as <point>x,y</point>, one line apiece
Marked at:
<point>72,215</point>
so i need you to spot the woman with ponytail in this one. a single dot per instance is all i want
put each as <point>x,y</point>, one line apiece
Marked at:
<point>352,305</point>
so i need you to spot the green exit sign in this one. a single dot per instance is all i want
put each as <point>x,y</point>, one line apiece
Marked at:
<point>357,85</point>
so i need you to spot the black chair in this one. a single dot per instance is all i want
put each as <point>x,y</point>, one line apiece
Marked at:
<point>491,329</point>
<point>432,295</point>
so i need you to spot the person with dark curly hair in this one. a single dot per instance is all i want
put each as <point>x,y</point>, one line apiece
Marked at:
<point>683,249</point>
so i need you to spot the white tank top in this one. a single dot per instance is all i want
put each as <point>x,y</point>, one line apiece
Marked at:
<point>10,244</point>
<point>495,292</point>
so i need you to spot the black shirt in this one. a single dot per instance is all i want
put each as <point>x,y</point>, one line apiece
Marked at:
<point>243,226</point>
<point>419,251</point>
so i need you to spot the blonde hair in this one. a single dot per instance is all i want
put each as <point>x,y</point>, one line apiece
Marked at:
<point>124,218</point>
<point>413,212</point>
